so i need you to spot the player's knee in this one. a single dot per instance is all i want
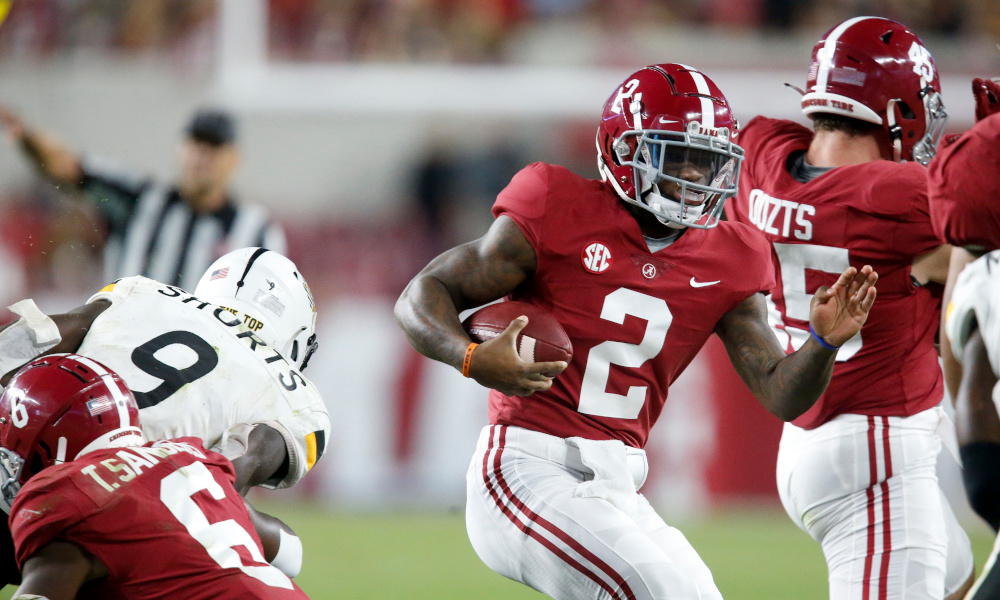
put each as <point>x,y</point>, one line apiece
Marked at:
<point>981,474</point>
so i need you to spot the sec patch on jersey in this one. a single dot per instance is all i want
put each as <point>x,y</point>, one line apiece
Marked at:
<point>542,340</point>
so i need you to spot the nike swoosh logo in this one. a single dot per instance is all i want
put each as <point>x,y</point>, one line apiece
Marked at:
<point>697,284</point>
<point>662,120</point>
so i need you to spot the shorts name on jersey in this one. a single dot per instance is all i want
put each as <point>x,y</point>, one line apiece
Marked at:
<point>775,217</point>
<point>289,380</point>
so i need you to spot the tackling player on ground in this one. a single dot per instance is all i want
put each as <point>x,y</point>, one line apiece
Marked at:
<point>222,364</point>
<point>99,514</point>
<point>640,272</point>
<point>857,471</point>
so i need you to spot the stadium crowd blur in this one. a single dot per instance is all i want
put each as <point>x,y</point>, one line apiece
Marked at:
<point>436,30</point>
<point>51,244</point>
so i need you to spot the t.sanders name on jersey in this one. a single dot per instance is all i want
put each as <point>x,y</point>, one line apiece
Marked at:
<point>129,463</point>
<point>289,380</point>
<point>781,217</point>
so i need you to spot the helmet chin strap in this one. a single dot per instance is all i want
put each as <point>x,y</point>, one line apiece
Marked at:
<point>895,131</point>
<point>659,205</point>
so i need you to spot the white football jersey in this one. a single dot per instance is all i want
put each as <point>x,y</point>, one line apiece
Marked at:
<point>976,298</point>
<point>196,370</point>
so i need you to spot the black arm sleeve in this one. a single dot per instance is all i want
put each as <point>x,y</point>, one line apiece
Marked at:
<point>114,191</point>
<point>981,474</point>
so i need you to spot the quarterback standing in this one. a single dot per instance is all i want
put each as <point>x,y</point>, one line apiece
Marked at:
<point>857,471</point>
<point>552,489</point>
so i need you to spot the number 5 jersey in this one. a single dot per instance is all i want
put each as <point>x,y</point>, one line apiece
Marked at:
<point>196,370</point>
<point>875,214</point>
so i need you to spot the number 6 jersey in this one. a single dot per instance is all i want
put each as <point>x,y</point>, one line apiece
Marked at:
<point>163,518</point>
<point>196,370</point>
<point>874,214</point>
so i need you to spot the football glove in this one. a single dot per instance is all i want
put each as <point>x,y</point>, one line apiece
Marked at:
<point>987,96</point>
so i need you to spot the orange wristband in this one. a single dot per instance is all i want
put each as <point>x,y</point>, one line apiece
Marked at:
<point>467,361</point>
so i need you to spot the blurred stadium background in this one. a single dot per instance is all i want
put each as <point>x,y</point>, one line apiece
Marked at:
<point>378,132</point>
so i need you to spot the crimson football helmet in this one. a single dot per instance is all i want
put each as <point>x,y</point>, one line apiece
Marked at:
<point>877,70</point>
<point>56,408</point>
<point>666,143</point>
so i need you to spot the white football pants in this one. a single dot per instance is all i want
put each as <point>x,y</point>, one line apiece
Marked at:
<point>527,523</point>
<point>866,489</point>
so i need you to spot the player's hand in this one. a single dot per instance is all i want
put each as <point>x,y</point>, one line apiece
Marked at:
<point>837,313</point>
<point>496,364</point>
<point>987,96</point>
<point>12,124</point>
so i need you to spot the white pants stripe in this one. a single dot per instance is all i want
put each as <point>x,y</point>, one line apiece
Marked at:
<point>541,530</point>
<point>526,522</point>
<point>866,489</point>
<point>880,470</point>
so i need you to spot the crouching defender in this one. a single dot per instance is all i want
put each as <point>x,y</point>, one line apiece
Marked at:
<point>223,364</point>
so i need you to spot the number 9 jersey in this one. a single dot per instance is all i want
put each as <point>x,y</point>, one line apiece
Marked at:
<point>196,370</point>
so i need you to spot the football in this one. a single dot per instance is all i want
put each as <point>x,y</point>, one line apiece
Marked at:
<point>542,340</point>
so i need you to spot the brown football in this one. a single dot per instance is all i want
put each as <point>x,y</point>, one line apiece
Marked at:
<point>542,340</point>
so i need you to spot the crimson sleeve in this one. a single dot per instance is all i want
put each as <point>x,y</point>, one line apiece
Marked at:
<point>45,509</point>
<point>964,188</point>
<point>524,200</point>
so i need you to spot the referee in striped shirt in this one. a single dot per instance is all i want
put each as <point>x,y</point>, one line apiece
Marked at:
<point>170,232</point>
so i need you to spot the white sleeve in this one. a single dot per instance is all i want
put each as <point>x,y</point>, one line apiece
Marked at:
<point>117,291</point>
<point>968,305</point>
<point>306,436</point>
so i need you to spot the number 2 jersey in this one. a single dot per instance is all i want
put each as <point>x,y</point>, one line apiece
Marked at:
<point>874,214</point>
<point>164,519</point>
<point>196,370</point>
<point>636,318</point>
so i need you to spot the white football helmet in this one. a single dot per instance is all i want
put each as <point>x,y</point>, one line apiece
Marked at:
<point>265,290</point>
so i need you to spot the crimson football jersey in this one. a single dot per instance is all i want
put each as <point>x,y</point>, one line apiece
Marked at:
<point>164,519</point>
<point>636,318</point>
<point>869,214</point>
<point>963,188</point>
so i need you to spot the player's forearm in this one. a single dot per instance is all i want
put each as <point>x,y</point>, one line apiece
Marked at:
<point>797,381</point>
<point>52,158</point>
<point>429,318</point>
<point>282,548</point>
<point>787,386</point>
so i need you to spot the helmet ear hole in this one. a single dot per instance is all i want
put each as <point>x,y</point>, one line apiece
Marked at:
<point>607,150</point>
<point>905,111</point>
<point>295,350</point>
<point>37,463</point>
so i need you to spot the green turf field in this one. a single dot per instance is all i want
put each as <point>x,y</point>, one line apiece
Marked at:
<point>424,556</point>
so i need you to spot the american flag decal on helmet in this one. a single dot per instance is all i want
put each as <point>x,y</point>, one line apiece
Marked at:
<point>219,274</point>
<point>100,405</point>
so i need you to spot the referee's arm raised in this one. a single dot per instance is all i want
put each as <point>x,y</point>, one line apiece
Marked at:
<point>51,157</point>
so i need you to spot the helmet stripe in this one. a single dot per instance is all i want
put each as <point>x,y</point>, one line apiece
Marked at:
<point>61,450</point>
<point>120,402</point>
<point>825,56</point>
<point>707,110</point>
<point>109,382</point>
<point>253,258</point>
